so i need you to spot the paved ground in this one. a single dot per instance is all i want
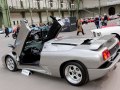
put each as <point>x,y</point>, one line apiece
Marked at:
<point>17,81</point>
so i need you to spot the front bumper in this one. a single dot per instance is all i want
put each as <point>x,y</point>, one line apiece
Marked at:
<point>97,73</point>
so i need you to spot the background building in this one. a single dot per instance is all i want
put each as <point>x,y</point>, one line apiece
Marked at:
<point>4,13</point>
<point>90,8</point>
<point>37,11</point>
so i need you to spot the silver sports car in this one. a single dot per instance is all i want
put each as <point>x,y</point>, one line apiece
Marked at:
<point>78,60</point>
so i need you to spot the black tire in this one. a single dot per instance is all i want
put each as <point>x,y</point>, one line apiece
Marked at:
<point>9,59</point>
<point>83,77</point>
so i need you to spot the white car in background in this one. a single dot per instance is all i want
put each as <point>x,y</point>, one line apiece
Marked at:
<point>1,31</point>
<point>106,31</point>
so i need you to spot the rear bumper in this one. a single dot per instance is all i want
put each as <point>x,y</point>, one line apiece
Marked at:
<point>97,73</point>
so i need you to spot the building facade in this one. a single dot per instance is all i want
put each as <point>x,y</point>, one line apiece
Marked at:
<point>4,14</point>
<point>38,11</point>
<point>90,8</point>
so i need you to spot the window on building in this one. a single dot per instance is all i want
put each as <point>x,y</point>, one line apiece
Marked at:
<point>51,3</point>
<point>38,3</point>
<point>71,3</point>
<point>17,22</point>
<point>61,2</point>
<point>14,23</point>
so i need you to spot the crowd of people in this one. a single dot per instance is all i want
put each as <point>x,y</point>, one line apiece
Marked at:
<point>15,29</point>
<point>101,22</point>
<point>97,20</point>
<point>8,30</point>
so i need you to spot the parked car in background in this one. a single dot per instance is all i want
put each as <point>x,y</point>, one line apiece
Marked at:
<point>107,30</point>
<point>84,21</point>
<point>1,31</point>
<point>118,14</point>
<point>91,19</point>
<point>87,20</point>
<point>78,60</point>
<point>109,18</point>
<point>10,29</point>
<point>112,17</point>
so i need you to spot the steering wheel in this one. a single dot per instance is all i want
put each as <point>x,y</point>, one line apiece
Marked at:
<point>36,36</point>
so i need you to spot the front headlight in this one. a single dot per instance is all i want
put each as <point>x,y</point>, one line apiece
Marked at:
<point>94,34</point>
<point>99,34</point>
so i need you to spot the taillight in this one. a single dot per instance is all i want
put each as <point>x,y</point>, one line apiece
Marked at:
<point>106,54</point>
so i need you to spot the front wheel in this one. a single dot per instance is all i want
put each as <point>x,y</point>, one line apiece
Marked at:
<point>10,63</point>
<point>75,73</point>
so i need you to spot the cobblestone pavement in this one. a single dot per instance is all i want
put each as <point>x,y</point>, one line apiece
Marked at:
<point>17,81</point>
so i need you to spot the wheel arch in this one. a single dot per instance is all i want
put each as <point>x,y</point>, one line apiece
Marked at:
<point>14,63</point>
<point>64,63</point>
<point>12,55</point>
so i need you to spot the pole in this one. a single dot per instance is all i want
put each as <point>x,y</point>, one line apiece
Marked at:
<point>46,9</point>
<point>30,12</point>
<point>68,7</point>
<point>78,5</point>
<point>5,13</point>
<point>59,8</point>
<point>99,7</point>
<point>12,3</point>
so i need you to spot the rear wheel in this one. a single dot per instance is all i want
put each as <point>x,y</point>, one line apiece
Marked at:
<point>75,73</point>
<point>10,63</point>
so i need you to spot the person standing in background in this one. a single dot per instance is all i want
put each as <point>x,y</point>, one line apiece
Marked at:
<point>6,32</point>
<point>97,23</point>
<point>105,20</point>
<point>16,31</point>
<point>79,27</point>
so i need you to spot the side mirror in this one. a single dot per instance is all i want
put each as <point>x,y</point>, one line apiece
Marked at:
<point>12,46</point>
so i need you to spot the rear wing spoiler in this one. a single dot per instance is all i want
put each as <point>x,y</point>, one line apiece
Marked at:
<point>95,45</point>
